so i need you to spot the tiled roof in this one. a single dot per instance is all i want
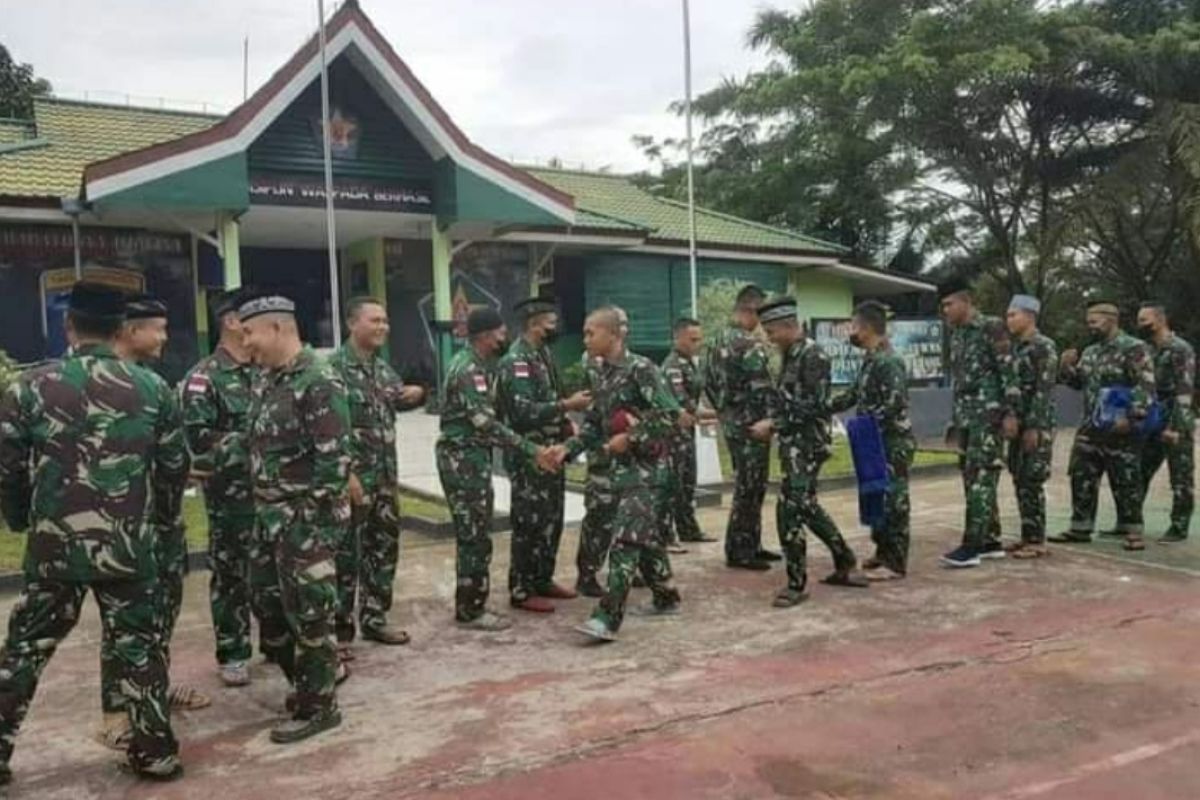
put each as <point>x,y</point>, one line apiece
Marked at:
<point>615,196</point>
<point>69,135</point>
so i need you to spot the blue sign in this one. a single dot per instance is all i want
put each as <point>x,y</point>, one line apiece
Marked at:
<point>918,341</point>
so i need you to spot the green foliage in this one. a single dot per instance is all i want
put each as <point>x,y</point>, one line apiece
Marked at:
<point>18,87</point>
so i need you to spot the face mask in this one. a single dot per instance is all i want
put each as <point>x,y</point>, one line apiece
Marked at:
<point>856,340</point>
<point>501,348</point>
<point>1095,335</point>
<point>1147,331</point>
<point>550,335</point>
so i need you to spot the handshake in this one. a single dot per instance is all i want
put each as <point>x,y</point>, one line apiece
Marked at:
<point>550,459</point>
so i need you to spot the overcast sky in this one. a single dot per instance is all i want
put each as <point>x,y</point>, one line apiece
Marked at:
<point>528,79</point>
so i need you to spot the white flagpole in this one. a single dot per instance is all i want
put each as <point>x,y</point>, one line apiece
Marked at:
<point>330,224</point>
<point>691,180</point>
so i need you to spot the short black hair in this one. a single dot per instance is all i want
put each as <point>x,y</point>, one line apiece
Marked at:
<point>356,303</point>
<point>94,327</point>
<point>683,323</point>
<point>873,314</point>
<point>750,296</point>
<point>1155,305</point>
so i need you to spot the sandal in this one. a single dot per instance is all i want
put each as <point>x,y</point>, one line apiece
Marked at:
<point>1027,551</point>
<point>187,698</point>
<point>882,573</point>
<point>851,578</point>
<point>1070,537</point>
<point>116,733</point>
<point>1134,544</point>
<point>345,652</point>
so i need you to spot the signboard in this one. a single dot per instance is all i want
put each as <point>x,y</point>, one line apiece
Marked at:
<point>918,341</point>
<point>348,193</point>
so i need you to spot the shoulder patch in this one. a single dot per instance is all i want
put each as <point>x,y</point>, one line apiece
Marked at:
<point>521,369</point>
<point>198,383</point>
<point>480,382</point>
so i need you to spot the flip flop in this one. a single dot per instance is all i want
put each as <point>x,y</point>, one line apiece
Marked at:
<point>188,698</point>
<point>1029,551</point>
<point>881,574</point>
<point>853,580</point>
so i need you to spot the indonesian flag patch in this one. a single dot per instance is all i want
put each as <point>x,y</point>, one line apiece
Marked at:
<point>480,383</point>
<point>198,383</point>
<point>677,378</point>
<point>521,369</point>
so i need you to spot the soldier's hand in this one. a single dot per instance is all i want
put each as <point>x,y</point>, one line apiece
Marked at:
<point>1171,437</point>
<point>412,394</point>
<point>707,415</point>
<point>761,430</point>
<point>199,476</point>
<point>550,459</point>
<point>1030,440</point>
<point>686,420</point>
<point>1122,426</point>
<point>1069,358</point>
<point>357,495</point>
<point>618,444</point>
<point>1011,427</point>
<point>578,401</point>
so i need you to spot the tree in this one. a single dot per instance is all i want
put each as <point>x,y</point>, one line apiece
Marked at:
<point>18,87</point>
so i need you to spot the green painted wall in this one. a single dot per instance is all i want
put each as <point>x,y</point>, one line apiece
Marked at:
<point>820,294</point>
<point>218,184</point>
<point>460,195</point>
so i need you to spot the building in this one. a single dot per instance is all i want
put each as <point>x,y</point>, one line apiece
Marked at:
<point>182,204</point>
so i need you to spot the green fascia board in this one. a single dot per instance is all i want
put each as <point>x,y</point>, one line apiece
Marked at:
<point>220,184</point>
<point>462,196</point>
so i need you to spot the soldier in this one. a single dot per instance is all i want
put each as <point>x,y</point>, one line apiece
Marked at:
<point>881,390</point>
<point>530,401</point>
<point>92,465</point>
<point>599,498</point>
<point>1034,417</point>
<point>740,388</point>
<point>981,372</point>
<point>300,464</point>
<point>1113,359</point>
<point>370,548</point>
<point>470,429</point>
<point>217,395</point>
<point>801,416</point>
<point>681,369</point>
<point>1175,378</point>
<point>631,420</point>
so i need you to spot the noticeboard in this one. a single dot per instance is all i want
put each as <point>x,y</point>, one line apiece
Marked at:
<point>919,341</point>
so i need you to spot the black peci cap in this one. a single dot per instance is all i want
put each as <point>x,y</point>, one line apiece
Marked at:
<point>97,300</point>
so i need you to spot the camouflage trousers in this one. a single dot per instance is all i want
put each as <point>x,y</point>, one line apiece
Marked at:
<point>751,462</point>
<point>1181,466</point>
<point>537,526</point>
<point>891,537</point>
<point>1094,456</point>
<point>131,618</point>
<point>682,490</point>
<point>367,556</point>
<point>599,519</point>
<point>294,594</point>
<point>467,483</point>
<point>1030,471</point>
<point>798,508</point>
<point>637,545</point>
<point>172,568</point>
<point>980,458</point>
<point>230,529</point>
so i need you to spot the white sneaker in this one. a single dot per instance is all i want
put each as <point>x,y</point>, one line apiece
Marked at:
<point>235,673</point>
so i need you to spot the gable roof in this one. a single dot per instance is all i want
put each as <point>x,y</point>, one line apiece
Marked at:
<point>45,157</point>
<point>349,30</point>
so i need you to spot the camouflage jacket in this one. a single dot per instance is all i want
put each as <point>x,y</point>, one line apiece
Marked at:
<point>740,380</point>
<point>633,385</point>
<point>216,395</point>
<point>686,382</point>
<point>800,407</point>
<point>1120,361</point>
<point>528,391</point>
<point>92,460</point>
<point>981,372</point>
<point>299,435</point>
<point>881,390</point>
<point>1175,379</point>
<point>598,462</point>
<point>1031,394</point>
<point>373,393</point>
<point>469,420</point>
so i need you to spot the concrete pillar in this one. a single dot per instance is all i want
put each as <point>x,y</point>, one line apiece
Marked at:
<point>442,301</point>
<point>231,253</point>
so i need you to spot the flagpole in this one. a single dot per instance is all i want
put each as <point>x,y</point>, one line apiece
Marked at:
<point>330,224</point>
<point>691,179</point>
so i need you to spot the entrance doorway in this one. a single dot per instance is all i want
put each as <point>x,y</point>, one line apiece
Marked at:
<point>303,276</point>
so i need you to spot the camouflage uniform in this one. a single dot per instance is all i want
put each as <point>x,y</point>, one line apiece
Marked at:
<point>982,376</point>
<point>300,463</point>
<point>529,392</point>
<point>370,548</point>
<point>1121,361</point>
<point>470,429</point>
<point>217,395</point>
<point>92,462</point>
<point>1175,377</point>
<point>634,386</point>
<point>741,387</point>
<point>1031,397</point>
<point>684,379</point>
<point>599,499</point>
<point>802,420</point>
<point>881,390</point>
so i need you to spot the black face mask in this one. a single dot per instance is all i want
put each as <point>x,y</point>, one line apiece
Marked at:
<point>856,340</point>
<point>1146,331</point>
<point>1095,335</point>
<point>550,335</point>
<point>501,348</point>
